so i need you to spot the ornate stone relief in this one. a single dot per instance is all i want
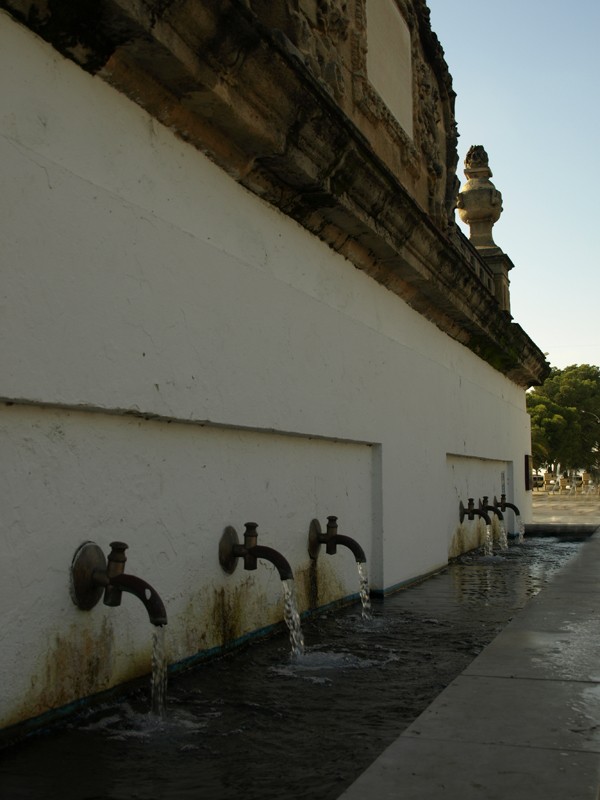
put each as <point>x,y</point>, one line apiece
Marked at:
<point>368,99</point>
<point>429,147</point>
<point>332,25</point>
<point>330,37</point>
<point>318,29</point>
<point>427,127</point>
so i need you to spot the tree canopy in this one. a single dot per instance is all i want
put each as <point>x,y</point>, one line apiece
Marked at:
<point>565,419</point>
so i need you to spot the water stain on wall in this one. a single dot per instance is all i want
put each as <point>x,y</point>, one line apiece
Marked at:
<point>77,662</point>
<point>81,661</point>
<point>468,536</point>
<point>318,584</point>
<point>215,617</point>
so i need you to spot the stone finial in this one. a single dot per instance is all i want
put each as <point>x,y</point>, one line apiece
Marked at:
<point>479,203</point>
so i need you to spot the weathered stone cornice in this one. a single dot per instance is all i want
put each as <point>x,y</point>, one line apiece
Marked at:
<point>242,93</point>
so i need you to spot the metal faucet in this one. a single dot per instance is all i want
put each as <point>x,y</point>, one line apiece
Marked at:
<point>470,511</point>
<point>93,576</point>
<point>331,538</point>
<point>230,550</point>
<point>503,505</point>
<point>484,506</point>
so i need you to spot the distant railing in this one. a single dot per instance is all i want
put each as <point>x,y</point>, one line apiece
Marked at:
<point>580,485</point>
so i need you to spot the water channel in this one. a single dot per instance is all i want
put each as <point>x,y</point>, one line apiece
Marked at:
<point>258,724</point>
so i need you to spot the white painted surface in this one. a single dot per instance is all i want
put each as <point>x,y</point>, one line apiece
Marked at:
<point>137,277</point>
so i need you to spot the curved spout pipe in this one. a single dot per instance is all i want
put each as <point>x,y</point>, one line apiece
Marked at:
<point>275,557</point>
<point>471,512</point>
<point>331,538</point>
<point>230,551</point>
<point>503,505</point>
<point>92,576</point>
<point>353,545</point>
<point>144,592</point>
<point>485,506</point>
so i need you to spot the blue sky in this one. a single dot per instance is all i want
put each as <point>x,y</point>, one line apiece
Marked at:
<point>527,78</point>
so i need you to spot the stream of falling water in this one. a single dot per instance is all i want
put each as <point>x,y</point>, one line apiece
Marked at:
<point>488,546</point>
<point>159,673</point>
<point>292,618</point>
<point>520,530</point>
<point>365,592</point>
<point>252,725</point>
<point>502,538</point>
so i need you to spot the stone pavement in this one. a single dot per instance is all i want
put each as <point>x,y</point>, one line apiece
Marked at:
<point>565,510</point>
<point>522,722</point>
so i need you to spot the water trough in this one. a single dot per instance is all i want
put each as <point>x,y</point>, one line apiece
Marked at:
<point>260,724</point>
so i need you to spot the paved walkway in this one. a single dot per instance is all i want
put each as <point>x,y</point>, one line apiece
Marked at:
<point>523,721</point>
<point>557,510</point>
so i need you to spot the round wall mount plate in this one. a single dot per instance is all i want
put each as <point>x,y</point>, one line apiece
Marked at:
<point>85,591</point>
<point>226,544</point>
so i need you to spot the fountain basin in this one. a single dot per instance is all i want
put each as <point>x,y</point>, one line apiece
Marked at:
<point>232,716</point>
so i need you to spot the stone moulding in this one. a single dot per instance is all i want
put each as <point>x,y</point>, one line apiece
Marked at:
<point>243,94</point>
<point>367,99</point>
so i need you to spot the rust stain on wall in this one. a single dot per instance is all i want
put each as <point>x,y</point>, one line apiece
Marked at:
<point>217,616</point>
<point>466,538</point>
<point>318,584</point>
<point>77,663</point>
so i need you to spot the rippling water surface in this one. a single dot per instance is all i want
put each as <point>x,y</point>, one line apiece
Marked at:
<point>260,725</point>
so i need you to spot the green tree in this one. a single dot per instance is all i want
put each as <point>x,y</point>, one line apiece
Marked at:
<point>554,432</point>
<point>565,418</point>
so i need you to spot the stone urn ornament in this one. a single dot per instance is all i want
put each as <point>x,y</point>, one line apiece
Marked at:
<point>479,203</point>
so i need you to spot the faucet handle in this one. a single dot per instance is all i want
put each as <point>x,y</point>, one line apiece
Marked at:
<point>116,559</point>
<point>250,534</point>
<point>117,551</point>
<point>116,566</point>
<point>250,542</point>
<point>331,536</point>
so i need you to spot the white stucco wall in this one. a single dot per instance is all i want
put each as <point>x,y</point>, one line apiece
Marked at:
<point>279,383</point>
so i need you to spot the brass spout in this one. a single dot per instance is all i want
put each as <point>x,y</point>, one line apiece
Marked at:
<point>278,561</point>
<point>353,545</point>
<point>503,505</point>
<point>471,512</point>
<point>230,551</point>
<point>484,506</point>
<point>144,592</point>
<point>92,575</point>
<point>331,539</point>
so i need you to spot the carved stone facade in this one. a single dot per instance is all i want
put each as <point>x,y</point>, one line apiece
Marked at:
<point>332,39</point>
<point>278,95</point>
<point>430,156</point>
<point>319,30</point>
